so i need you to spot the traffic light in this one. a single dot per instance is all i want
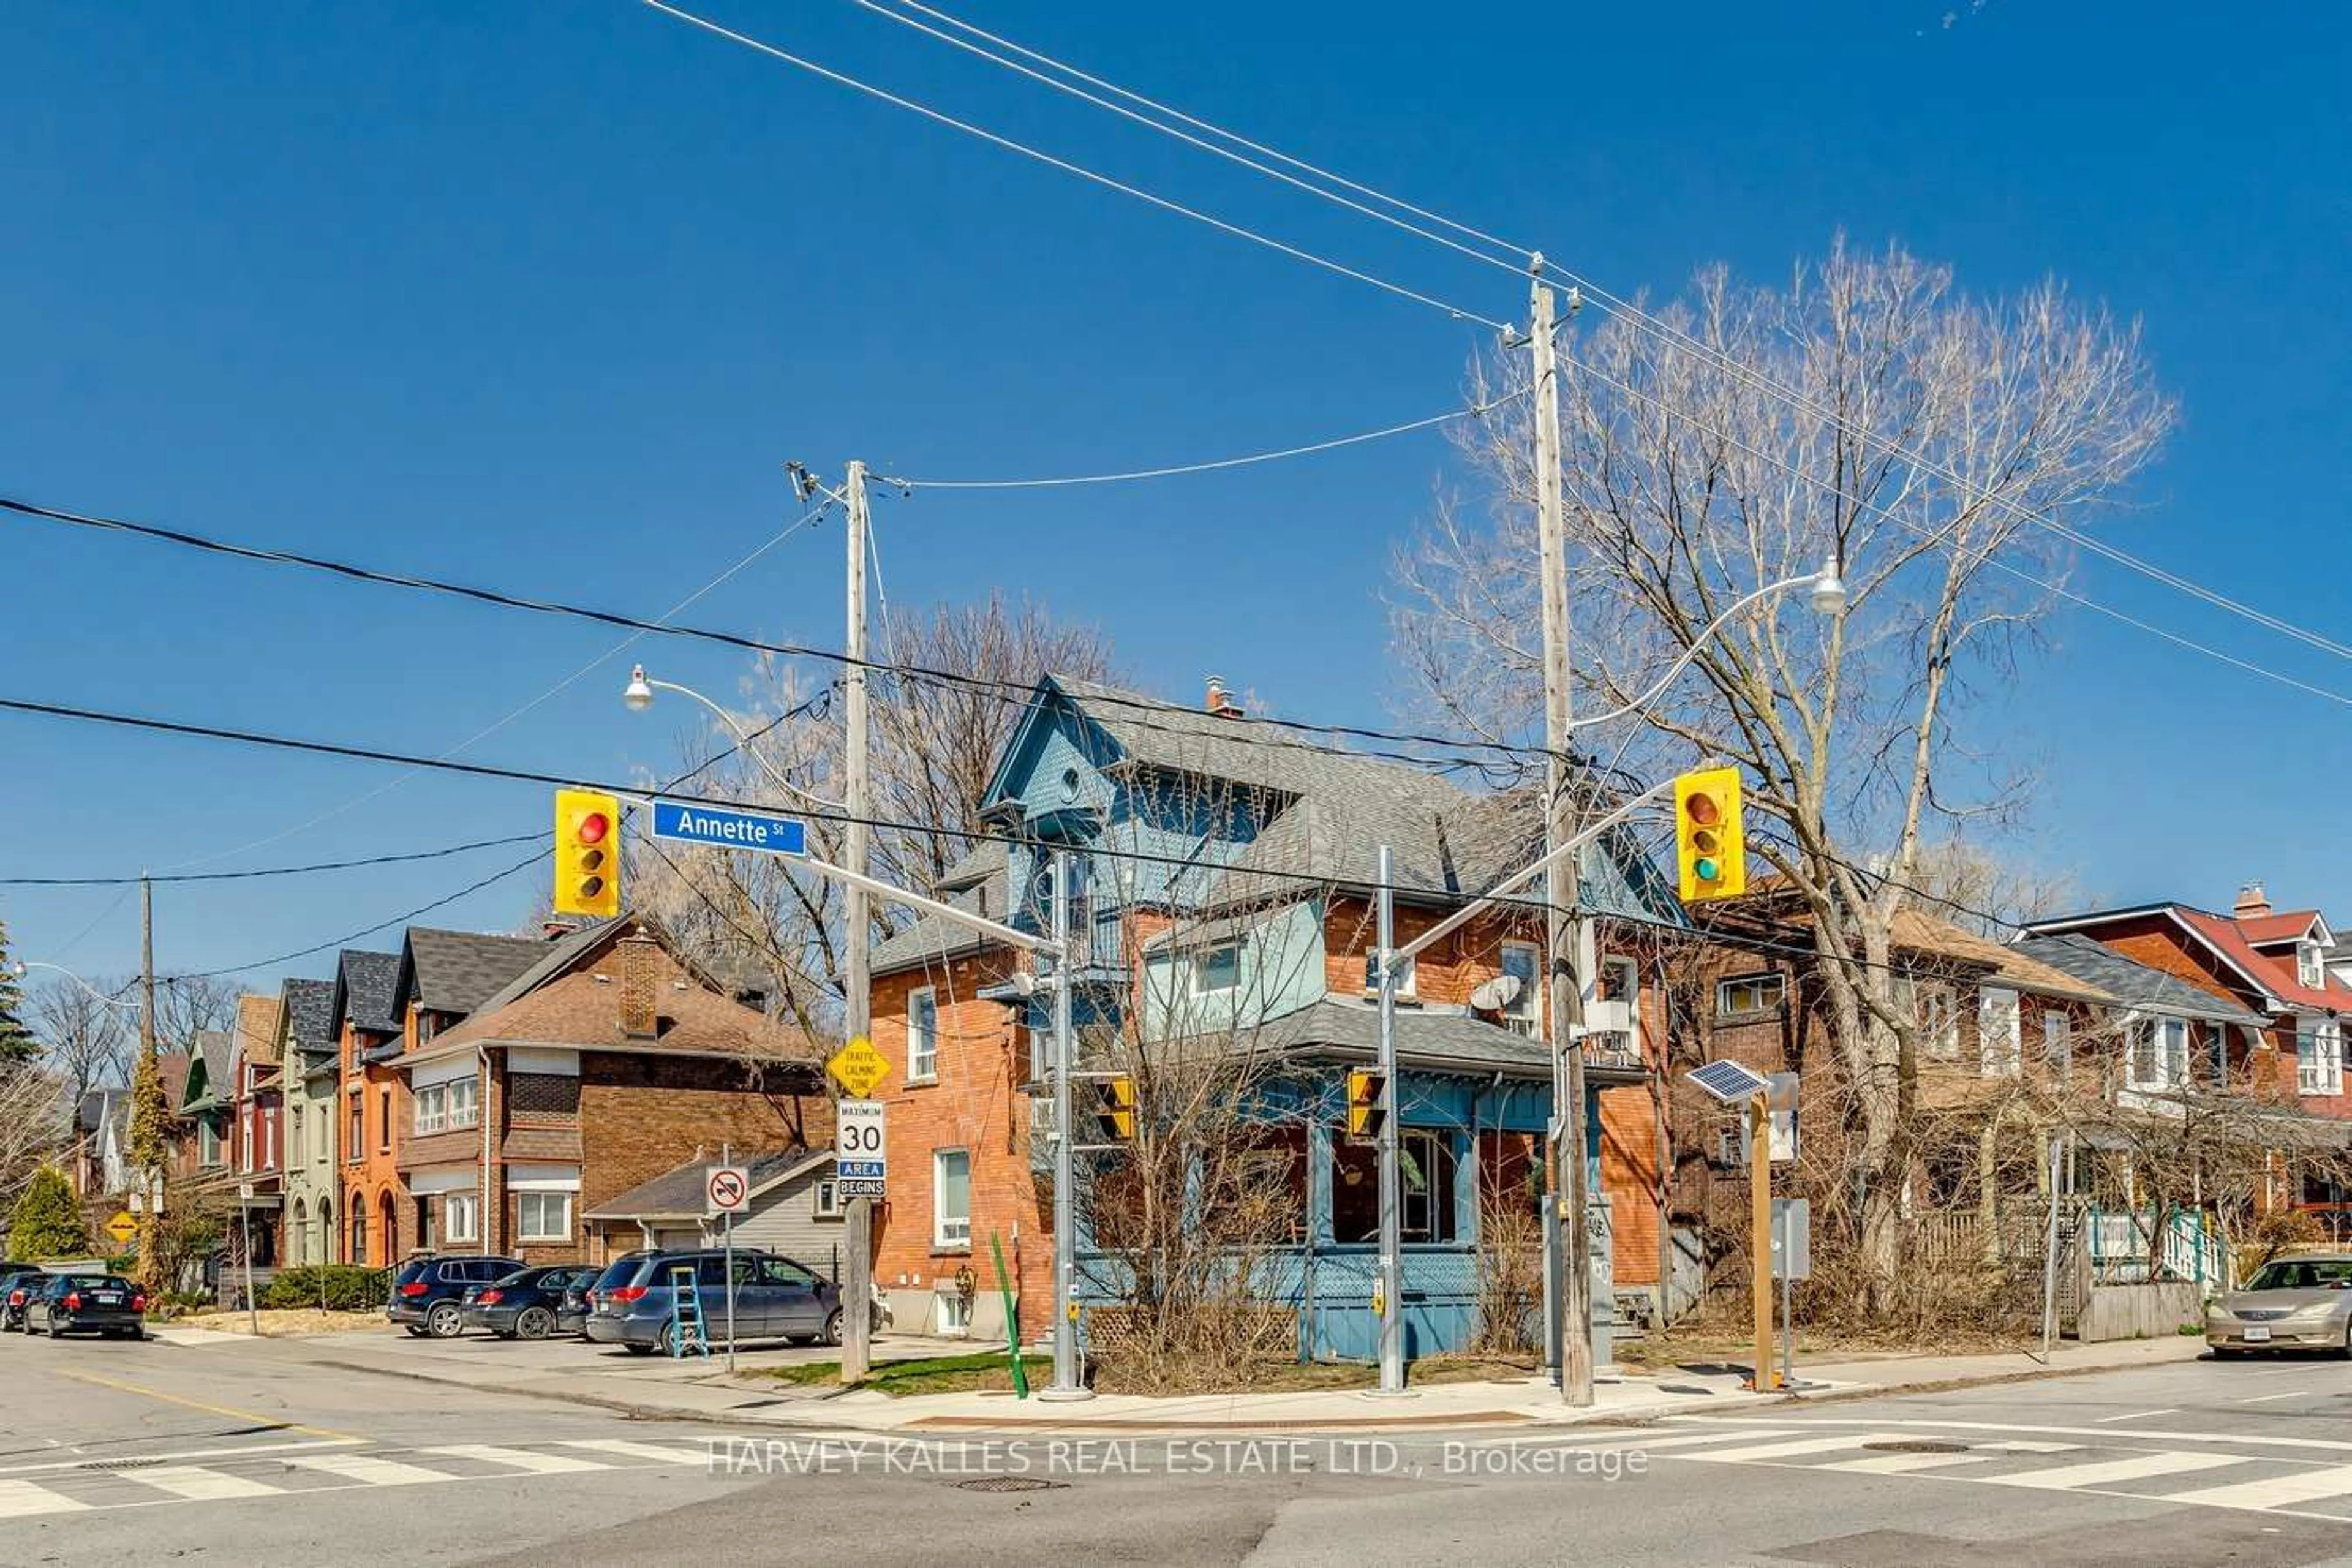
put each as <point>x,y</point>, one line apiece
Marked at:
<point>1365,1114</point>
<point>1709,847</point>
<point>587,853</point>
<point>1115,1107</point>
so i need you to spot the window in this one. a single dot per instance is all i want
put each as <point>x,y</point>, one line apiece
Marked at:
<point>1938,1012</point>
<point>2308,968</point>
<point>2159,1054</point>
<point>383,1121</point>
<point>447,1106</point>
<point>923,1037</point>
<point>544,1216</point>
<point>2058,1042</point>
<point>432,1111</point>
<point>1522,964</point>
<point>2218,1038</point>
<point>2000,1045</point>
<point>784,1271</point>
<point>461,1218</point>
<point>828,1198</point>
<point>208,1145</point>
<point>1748,995</point>
<point>294,1136</point>
<point>1406,975</point>
<point>465,1103</point>
<point>1218,969</point>
<point>355,1146</point>
<point>1425,1169</point>
<point>951,1200</point>
<point>2319,1058</point>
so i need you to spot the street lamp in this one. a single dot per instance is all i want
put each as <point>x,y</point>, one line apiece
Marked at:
<point>24,965</point>
<point>1829,600</point>
<point>638,696</point>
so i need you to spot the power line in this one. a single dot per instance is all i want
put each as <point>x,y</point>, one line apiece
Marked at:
<point>1476,410</point>
<point>187,540</point>
<point>1066,166</point>
<point>533,859</point>
<point>268,871</point>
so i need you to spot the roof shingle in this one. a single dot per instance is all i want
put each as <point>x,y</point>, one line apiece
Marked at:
<point>456,971</point>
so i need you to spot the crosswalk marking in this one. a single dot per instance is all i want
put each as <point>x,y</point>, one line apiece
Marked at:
<point>521,1458</point>
<point>21,1497</point>
<point>1901,1463</point>
<point>200,1485</point>
<point>1793,1449</point>
<point>1650,1440</point>
<point>623,1447</point>
<point>2278,1491</point>
<point>369,1470</point>
<point>2069,1477</point>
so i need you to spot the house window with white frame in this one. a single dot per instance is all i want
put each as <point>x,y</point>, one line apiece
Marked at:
<point>1407,973</point>
<point>1938,1013</point>
<point>1522,961</point>
<point>2319,1057</point>
<point>951,1200</point>
<point>543,1217</point>
<point>461,1218</point>
<point>447,1106</point>
<point>2000,1032</point>
<point>828,1198</point>
<point>1750,995</point>
<point>2158,1057</point>
<point>2058,1044</point>
<point>2310,968</point>
<point>923,1037</point>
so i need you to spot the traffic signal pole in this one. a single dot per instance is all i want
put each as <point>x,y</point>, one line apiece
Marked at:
<point>1390,1285</point>
<point>1068,1384</point>
<point>857,1274</point>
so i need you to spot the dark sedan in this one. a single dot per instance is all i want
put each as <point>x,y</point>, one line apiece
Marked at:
<point>533,1303</point>
<point>103,1304</point>
<point>18,1285</point>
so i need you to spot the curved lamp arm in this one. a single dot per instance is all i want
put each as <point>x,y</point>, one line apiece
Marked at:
<point>639,695</point>
<point>1829,599</point>
<point>30,963</point>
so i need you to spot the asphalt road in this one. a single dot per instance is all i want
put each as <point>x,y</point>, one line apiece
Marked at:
<point>137,1453</point>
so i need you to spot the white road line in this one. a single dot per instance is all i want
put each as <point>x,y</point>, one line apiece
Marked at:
<point>1791,1449</point>
<point>623,1447</point>
<point>1641,1439</point>
<point>2141,1414</point>
<point>200,1485</point>
<point>2018,1446</point>
<point>20,1498</point>
<point>521,1458</point>
<point>52,1466</point>
<point>2265,1399</point>
<point>368,1470</point>
<point>2277,1491</point>
<point>2324,1445</point>
<point>2072,1478</point>
<point>1901,1463</point>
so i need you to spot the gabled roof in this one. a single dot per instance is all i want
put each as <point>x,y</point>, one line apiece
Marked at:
<point>310,1015</point>
<point>2264,930</point>
<point>2132,983</point>
<point>2013,968</point>
<point>173,1069</point>
<point>975,883</point>
<point>257,1018</point>
<point>555,957</point>
<point>2275,975</point>
<point>98,1107</point>
<point>209,1067</point>
<point>363,991</point>
<point>678,1193</point>
<point>457,970</point>
<point>1436,1042</point>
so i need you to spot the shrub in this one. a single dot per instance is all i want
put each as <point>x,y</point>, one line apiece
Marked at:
<point>46,1222</point>
<point>337,1286</point>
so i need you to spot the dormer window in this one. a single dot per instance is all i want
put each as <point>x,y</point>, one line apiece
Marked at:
<point>2309,966</point>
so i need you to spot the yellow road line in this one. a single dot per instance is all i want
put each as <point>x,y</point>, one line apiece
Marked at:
<point>200,1404</point>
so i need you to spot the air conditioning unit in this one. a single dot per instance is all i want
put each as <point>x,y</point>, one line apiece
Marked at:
<point>1615,1048</point>
<point>1608,1018</point>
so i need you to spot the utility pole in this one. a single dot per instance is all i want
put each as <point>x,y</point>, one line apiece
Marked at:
<point>1570,966</point>
<point>857,1284</point>
<point>1067,1386</point>
<point>1391,1276</point>
<point>151,1217</point>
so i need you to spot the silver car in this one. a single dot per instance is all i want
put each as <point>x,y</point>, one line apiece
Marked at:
<point>2291,1303</point>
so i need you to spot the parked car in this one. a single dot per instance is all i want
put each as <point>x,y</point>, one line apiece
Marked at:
<point>2291,1303</point>
<point>531,1305</point>
<point>428,1293</point>
<point>634,1303</point>
<point>104,1304</point>
<point>19,1284</point>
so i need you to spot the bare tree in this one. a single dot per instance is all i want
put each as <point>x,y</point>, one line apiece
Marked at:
<point>187,1005</point>
<point>1924,434</point>
<point>87,1041</point>
<point>33,1126</point>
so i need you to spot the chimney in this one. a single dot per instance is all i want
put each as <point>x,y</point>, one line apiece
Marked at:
<point>2253,902</point>
<point>555,929</point>
<point>640,958</point>
<point>1221,702</point>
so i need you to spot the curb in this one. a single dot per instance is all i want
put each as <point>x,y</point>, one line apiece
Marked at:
<point>1945,1385</point>
<point>598,1402</point>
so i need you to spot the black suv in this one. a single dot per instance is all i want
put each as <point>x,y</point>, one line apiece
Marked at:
<point>428,1293</point>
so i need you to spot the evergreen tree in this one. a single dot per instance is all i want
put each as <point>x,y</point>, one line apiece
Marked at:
<point>16,1042</point>
<point>46,1222</point>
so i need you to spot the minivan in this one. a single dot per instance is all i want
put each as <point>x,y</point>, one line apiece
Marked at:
<point>634,1302</point>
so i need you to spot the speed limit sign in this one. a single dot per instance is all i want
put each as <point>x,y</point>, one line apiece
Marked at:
<point>860,1161</point>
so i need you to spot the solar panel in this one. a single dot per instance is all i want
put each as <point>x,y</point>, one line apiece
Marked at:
<point>1730,1081</point>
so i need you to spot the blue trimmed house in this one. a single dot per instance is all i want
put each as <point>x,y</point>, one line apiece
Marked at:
<point>1228,867</point>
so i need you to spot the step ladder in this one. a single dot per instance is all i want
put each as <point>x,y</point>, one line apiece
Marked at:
<point>692,1334</point>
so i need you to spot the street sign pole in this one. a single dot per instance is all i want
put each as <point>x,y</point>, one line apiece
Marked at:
<point>726,1157</point>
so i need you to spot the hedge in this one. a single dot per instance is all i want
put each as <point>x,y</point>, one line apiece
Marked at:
<point>338,1286</point>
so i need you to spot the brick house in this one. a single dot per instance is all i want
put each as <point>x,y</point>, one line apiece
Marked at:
<point>371,1101</point>
<point>1227,879</point>
<point>257,1121</point>
<point>609,1061</point>
<point>309,1077</point>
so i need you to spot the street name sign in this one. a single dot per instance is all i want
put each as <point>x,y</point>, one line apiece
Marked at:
<point>858,1067</point>
<point>684,822</point>
<point>861,1162</point>
<point>728,1188</point>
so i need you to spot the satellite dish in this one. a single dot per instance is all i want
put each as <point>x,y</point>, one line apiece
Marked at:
<point>1497,993</point>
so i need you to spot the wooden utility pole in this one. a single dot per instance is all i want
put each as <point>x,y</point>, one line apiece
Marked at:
<point>857,1277</point>
<point>1759,1230</point>
<point>150,1216</point>
<point>1566,936</point>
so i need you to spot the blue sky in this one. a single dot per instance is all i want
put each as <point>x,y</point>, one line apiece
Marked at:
<point>545,296</point>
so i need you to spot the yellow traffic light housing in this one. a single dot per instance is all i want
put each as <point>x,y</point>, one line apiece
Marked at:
<point>1365,1114</point>
<point>1115,1107</point>
<point>1710,847</point>
<point>587,853</point>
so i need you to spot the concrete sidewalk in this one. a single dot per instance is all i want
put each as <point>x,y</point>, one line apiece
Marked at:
<point>658,1388</point>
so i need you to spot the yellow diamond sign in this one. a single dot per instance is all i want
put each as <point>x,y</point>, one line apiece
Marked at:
<point>858,1067</point>
<point>123,1228</point>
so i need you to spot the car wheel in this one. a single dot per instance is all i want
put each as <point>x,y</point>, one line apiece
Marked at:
<point>57,1330</point>
<point>416,1331</point>
<point>444,1321</point>
<point>534,1322</point>
<point>831,1335</point>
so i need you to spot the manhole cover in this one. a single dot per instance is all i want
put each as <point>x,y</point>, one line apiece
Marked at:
<point>122,1463</point>
<point>1916,1446</point>
<point>1010,1484</point>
